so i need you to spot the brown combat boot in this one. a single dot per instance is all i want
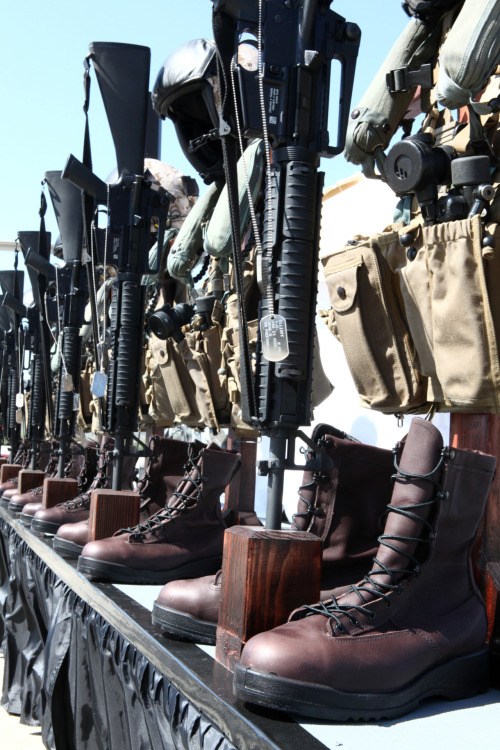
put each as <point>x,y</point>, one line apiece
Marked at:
<point>165,469</point>
<point>48,520</point>
<point>23,458</point>
<point>18,501</point>
<point>183,539</point>
<point>80,466</point>
<point>414,627</point>
<point>343,505</point>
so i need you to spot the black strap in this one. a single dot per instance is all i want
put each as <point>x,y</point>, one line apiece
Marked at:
<point>403,79</point>
<point>88,208</point>
<point>223,28</point>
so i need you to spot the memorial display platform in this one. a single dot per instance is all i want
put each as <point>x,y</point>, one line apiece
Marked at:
<point>83,660</point>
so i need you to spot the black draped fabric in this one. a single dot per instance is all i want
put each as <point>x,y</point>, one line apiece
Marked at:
<point>69,670</point>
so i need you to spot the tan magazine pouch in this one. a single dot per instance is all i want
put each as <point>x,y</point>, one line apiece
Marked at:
<point>84,417</point>
<point>202,354</point>
<point>368,319</point>
<point>446,289</point>
<point>419,319</point>
<point>170,394</point>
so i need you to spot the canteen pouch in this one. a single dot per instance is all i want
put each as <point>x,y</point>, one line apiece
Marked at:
<point>367,317</point>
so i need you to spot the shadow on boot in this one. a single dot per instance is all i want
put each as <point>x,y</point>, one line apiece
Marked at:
<point>343,506</point>
<point>414,627</point>
<point>184,539</point>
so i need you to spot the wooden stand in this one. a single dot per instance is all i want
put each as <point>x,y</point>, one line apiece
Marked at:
<point>482,432</point>
<point>239,505</point>
<point>57,491</point>
<point>3,460</point>
<point>111,510</point>
<point>493,608</point>
<point>9,471</point>
<point>266,574</point>
<point>29,479</point>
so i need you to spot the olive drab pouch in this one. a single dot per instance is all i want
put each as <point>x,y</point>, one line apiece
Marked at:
<point>368,318</point>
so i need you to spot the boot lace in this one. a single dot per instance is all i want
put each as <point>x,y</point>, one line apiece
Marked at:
<point>99,482</point>
<point>310,512</point>
<point>335,610</point>
<point>156,522</point>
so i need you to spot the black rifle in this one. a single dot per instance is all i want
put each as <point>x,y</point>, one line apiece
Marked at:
<point>137,212</point>
<point>11,383</point>
<point>37,344</point>
<point>299,40</point>
<point>67,285</point>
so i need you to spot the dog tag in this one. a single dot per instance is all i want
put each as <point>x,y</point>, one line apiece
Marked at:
<point>67,382</point>
<point>274,338</point>
<point>76,401</point>
<point>99,383</point>
<point>19,400</point>
<point>19,416</point>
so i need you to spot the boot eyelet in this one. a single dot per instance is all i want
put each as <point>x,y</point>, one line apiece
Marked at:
<point>340,627</point>
<point>355,623</point>
<point>372,615</point>
<point>388,604</point>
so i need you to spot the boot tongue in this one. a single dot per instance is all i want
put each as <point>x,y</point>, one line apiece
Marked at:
<point>403,529</point>
<point>188,489</point>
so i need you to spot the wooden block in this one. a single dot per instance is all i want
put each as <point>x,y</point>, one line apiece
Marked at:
<point>9,471</point>
<point>29,479</point>
<point>266,574</point>
<point>111,510</point>
<point>3,460</point>
<point>57,491</point>
<point>240,492</point>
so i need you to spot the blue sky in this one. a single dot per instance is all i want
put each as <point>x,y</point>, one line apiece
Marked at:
<point>42,50</point>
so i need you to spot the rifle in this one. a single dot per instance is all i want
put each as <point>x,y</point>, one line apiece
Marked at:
<point>296,43</point>
<point>12,284</point>
<point>136,218</point>
<point>68,287</point>
<point>37,344</point>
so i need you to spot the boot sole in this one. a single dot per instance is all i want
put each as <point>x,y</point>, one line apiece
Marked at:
<point>44,527</point>
<point>116,573</point>
<point>184,627</point>
<point>15,509</point>
<point>26,519</point>
<point>67,548</point>
<point>5,502</point>
<point>459,678</point>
